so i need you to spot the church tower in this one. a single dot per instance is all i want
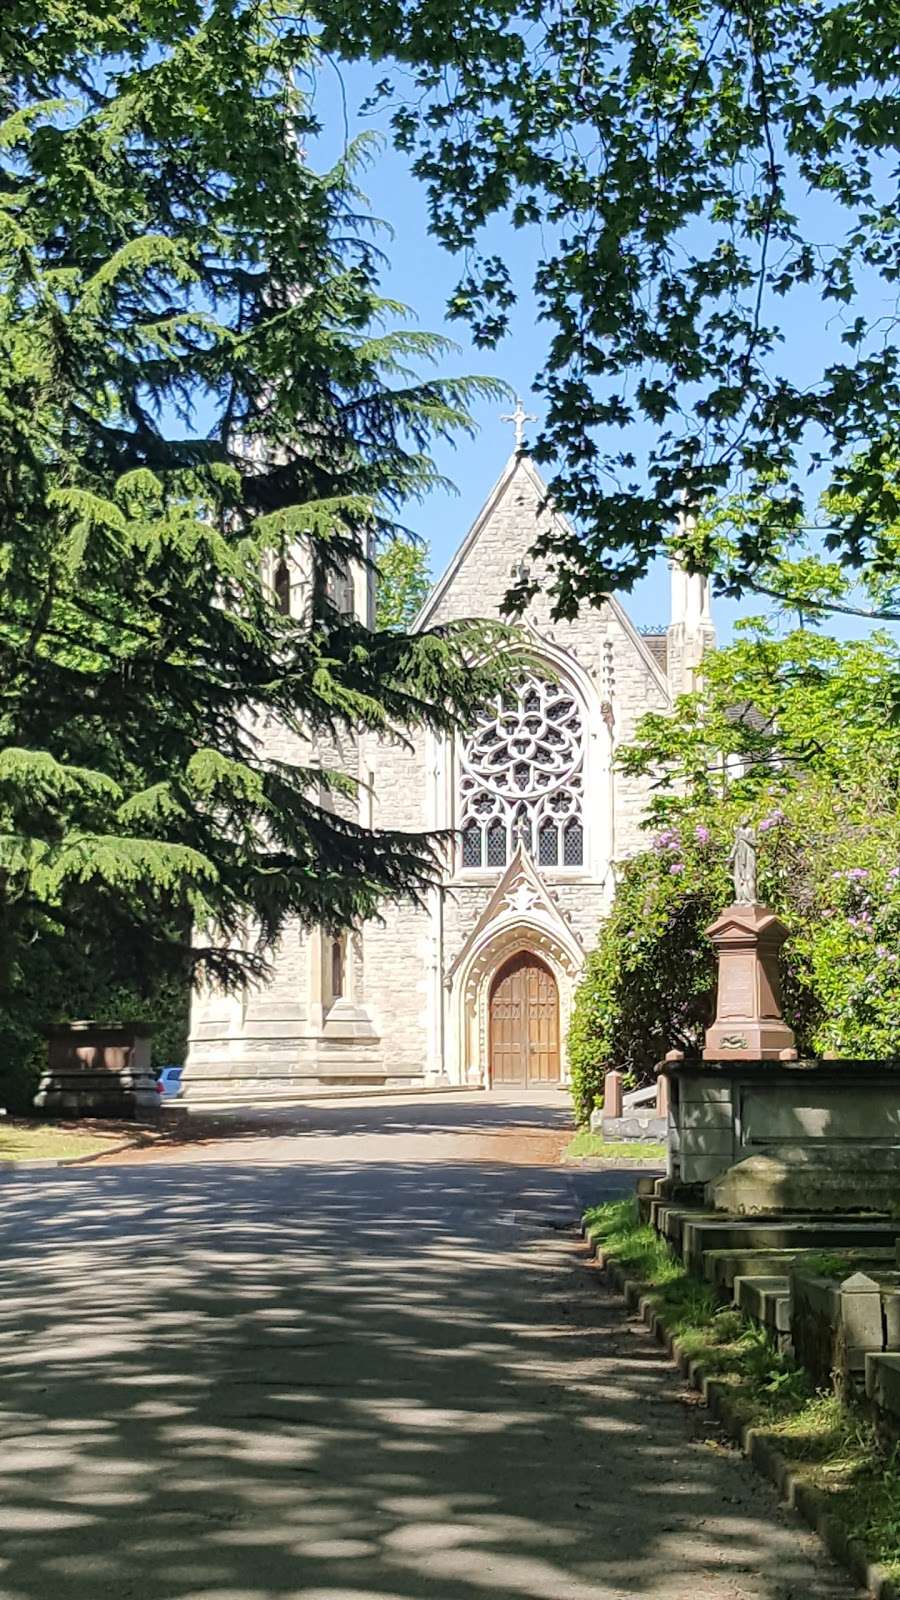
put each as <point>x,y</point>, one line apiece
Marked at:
<point>690,633</point>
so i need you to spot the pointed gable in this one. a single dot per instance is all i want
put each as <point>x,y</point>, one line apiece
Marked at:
<point>504,531</point>
<point>520,894</point>
<point>503,534</point>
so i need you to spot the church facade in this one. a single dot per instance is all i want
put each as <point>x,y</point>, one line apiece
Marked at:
<point>476,985</point>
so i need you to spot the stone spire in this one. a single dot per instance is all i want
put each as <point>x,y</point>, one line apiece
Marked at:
<point>690,632</point>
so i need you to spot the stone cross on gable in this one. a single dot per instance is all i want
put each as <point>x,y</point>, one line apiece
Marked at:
<point>518,418</point>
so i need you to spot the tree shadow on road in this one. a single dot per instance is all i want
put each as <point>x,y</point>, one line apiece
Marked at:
<point>345,1382</point>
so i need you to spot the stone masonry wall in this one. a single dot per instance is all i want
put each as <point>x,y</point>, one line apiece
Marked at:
<point>400,961</point>
<point>397,947</point>
<point>599,641</point>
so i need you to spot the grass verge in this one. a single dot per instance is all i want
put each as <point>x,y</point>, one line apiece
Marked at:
<point>592,1146</point>
<point>828,1445</point>
<point>36,1141</point>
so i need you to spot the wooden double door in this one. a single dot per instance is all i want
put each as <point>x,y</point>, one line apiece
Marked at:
<point>524,1031</point>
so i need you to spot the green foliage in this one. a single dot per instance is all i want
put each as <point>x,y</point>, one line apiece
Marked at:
<point>587,1146</point>
<point>794,734</point>
<point>663,152</point>
<point>646,986</point>
<point>197,376</point>
<point>403,581</point>
<point>826,1264</point>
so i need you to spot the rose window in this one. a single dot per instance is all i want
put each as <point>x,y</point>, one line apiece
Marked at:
<point>521,779</point>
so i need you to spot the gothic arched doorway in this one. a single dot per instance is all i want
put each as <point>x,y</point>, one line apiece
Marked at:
<point>524,1023</point>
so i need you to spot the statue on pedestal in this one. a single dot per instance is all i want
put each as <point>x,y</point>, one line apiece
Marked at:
<point>742,862</point>
<point>747,936</point>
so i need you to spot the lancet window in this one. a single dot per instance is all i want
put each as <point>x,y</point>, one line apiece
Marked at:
<point>282,588</point>
<point>522,779</point>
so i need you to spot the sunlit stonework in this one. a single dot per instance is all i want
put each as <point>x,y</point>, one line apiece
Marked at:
<point>473,984</point>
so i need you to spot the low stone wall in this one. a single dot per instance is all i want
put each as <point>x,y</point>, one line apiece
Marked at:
<point>835,1324</point>
<point>883,1395</point>
<point>641,1127</point>
<point>636,1115</point>
<point>723,1112</point>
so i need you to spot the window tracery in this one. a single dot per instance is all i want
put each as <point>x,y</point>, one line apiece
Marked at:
<point>522,779</point>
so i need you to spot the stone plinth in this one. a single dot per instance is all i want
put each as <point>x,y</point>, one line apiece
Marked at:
<point>749,1025</point>
<point>613,1094</point>
<point>748,996</point>
<point>824,1177</point>
<point>98,1069</point>
<point>823,1124</point>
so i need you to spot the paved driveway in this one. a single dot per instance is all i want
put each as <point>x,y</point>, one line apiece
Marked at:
<point>358,1356</point>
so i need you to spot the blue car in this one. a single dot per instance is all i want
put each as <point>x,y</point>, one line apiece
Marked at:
<point>168,1081</point>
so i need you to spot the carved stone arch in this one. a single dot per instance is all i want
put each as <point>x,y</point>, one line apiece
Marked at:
<point>555,945</point>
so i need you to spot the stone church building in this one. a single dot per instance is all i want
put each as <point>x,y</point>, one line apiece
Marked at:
<point>476,986</point>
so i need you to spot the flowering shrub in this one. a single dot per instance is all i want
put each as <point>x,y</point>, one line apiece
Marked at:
<point>646,986</point>
<point>842,960</point>
<point>816,776</point>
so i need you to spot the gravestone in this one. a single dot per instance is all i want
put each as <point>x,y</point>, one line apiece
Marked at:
<point>749,1025</point>
<point>98,1069</point>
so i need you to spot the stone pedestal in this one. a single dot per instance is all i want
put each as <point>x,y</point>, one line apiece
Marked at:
<point>749,1025</point>
<point>97,1069</point>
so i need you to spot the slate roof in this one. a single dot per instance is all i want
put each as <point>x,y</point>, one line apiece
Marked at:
<point>658,645</point>
<point>749,715</point>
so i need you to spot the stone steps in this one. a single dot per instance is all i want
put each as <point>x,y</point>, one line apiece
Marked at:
<point>692,1233</point>
<point>768,1301</point>
<point>722,1267</point>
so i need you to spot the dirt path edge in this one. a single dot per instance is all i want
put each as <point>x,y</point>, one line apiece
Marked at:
<point>753,1443</point>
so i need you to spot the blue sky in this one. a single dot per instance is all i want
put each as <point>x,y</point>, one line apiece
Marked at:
<point>422,274</point>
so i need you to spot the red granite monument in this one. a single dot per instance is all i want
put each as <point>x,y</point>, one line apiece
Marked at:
<point>747,936</point>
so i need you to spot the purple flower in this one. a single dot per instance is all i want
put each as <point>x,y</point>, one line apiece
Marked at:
<point>857,874</point>
<point>701,834</point>
<point>676,867</point>
<point>893,874</point>
<point>667,840</point>
<point>771,821</point>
